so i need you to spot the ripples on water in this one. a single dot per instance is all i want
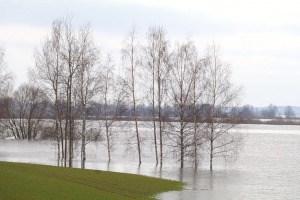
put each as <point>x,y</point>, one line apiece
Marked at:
<point>268,166</point>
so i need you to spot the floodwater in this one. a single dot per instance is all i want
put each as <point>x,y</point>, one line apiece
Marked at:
<point>267,167</point>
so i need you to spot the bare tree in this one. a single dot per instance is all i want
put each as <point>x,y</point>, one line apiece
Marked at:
<point>76,47</point>
<point>181,97</point>
<point>32,103</point>
<point>220,94</point>
<point>270,112</point>
<point>70,53</point>
<point>131,61</point>
<point>9,116</point>
<point>157,62</point>
<point>87,85</point>
<point>289,112</point>
<point>112,98</point>
<point>24,112</point>
<point>63,54</point>
<point>198,89</point>
<point>47,74</point>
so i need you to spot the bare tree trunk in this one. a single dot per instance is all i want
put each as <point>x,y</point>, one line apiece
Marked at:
<point>83,143</point>
<point>211,155</point>
<point>130,55</point>
<point>182,135</point>
<point>106,115</point>
<point>70,112</point>
<point>83,153</point>
<point>61,139</point>
<point>107,139</point>
<point>160,117</point>
<point>57,139</point>
<point>153,114</point>
<point>181,147</point>
<point>195,139</point>
<point>66,131</point>
<point>211,147</point>
<point>135,117</point>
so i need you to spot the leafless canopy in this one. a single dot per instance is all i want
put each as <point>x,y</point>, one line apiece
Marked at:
<point>220,94</point>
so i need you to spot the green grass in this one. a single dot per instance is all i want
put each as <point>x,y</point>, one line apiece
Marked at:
<point>28,181</point>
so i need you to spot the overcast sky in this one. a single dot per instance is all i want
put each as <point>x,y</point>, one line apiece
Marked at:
<point>261,39</point>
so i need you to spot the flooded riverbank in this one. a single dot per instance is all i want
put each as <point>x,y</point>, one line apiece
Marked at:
<point>267,166</point>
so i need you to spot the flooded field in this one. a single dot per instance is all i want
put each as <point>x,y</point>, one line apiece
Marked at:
<point>267,166</point>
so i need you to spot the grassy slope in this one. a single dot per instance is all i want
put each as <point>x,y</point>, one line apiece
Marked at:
<point>27,181</point>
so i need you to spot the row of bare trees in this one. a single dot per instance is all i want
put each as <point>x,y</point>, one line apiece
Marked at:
<point>68,68</point>
<point>197,89</point>
<point>188,95</point>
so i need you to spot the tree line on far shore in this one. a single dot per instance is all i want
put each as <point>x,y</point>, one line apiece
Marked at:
<point>189,97</point>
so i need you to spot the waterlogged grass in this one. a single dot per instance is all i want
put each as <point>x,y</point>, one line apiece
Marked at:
<point>28,181</point>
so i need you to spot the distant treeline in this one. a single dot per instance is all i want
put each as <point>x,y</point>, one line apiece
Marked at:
<point>244,114</point>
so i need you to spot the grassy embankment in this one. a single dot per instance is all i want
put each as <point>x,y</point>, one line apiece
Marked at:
<point>27,181</point>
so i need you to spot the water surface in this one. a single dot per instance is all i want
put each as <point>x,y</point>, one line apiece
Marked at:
<point>268,165</point>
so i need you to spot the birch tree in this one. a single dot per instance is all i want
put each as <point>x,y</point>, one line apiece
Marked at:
<point>180,94</point>
<point>111,98</point>
<point>220,94</point>
<point>131,62</point>
<point>198,89</point>
<point>157,62</point>
<point>68,51</point>
<point>47,74</point>
<point>87,86</point>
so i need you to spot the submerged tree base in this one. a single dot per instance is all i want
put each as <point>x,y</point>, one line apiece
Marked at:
<point>28,181</point>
